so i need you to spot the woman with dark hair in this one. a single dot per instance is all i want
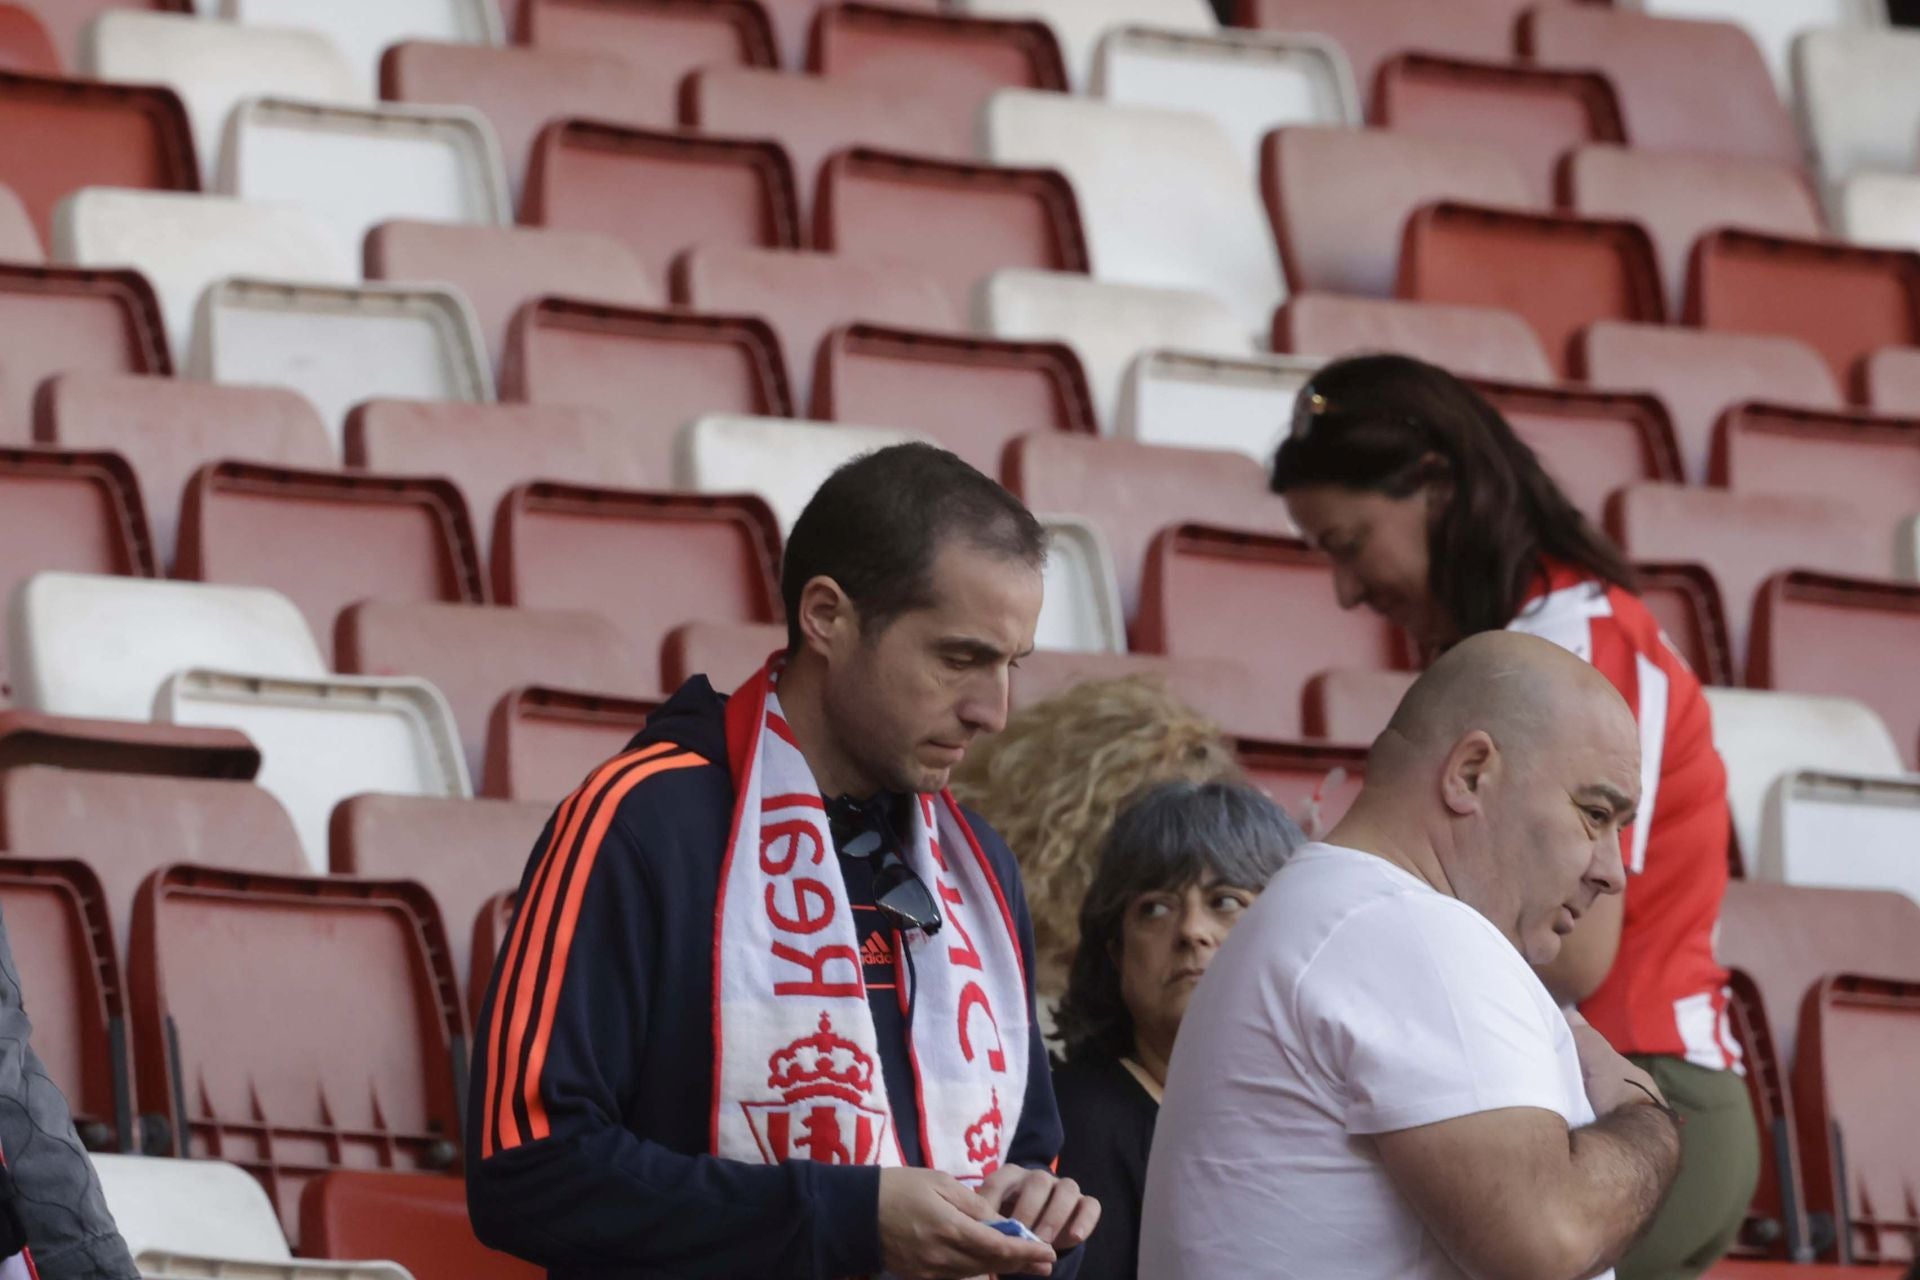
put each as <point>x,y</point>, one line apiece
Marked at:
<point>1179,865</point>
<point>1438,517</point>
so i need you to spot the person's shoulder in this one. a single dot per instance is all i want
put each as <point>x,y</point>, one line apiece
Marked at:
<point>1387,913</point>
<point>999,856</point>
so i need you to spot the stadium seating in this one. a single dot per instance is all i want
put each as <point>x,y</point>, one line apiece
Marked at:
<point>1677,198</point>
<point>214,65</point>
<point>520,91</point>
<point>68,742</point>
<point>950,61</point>
<point>664,38</point>
<point>1772,24</point>
<point>1084,27</point>
<point>487,449</point>
<point>490,928</point>
<point>340,345</point>
<point>1473,342</point>
<point>59,135</point>
<point>418,1220</point>
<point>652,371</point>
<point>1081,612</point>
<point>500,269</point>
<point>803,295</point>
<point>25,44</point>
<point>1214,239</point>
<point>661,191</point>
<point>1265,602</point>
<point>781,460</point>
<point>1859,100</point>
<point>1682,85</point>
<point>967,394</point>
<point>1844,300</point>
<point>19,241</point>
<point>1533,115</point>
<point>463,851</point>
<point>1249,83</point>
<point>1684,599</point>
<point>477,655</point>
<point>1106,325</point>
<point>727,653</point>
<point>182,244</point>
<point>60,929</point>
<point>365,1074</point>
<point>1352,706</point>
<point>1242,403</point>
<point>65,320</point>
<point>1561,273</point>
<point>714,558</point>
<point>959,222</point>
<point>1880,209</point>
<point>544,742</point>
<point>1590,442</point>
<point>1371,33</point>
<point>1776,1226</point>
<point>1698,376</point>
<point>386,538</point>
<point>192,1209</point>
<point>1873,462</point>
<point>1889,381</point>
<point>1315,782</point>
<point>1339,198</point>
<point>362,29</point>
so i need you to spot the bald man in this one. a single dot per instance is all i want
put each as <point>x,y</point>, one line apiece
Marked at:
<point>1371,1081</point>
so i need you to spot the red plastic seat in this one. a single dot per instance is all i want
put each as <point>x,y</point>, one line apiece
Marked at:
<point>1776,1225</point>
<point>971,395</point>
<point>1874,463</point>
<point>543,742</point>
<point>1339,198</point>
<point>487,449</point>
<point>1373,31</point>
<point>1315,782</point>
<point>1561,273</point>
<point>727,653</point>
<point>1843,300</point>
<point>815,116</point>
<point>1352,707</point>
<point>960,222</point>
<point>803,295</point>
<point>122,746</point>
<point>329,539</point>
<point>61,320</point>
<point>1685,600</point>
<point>463,851</point>
<point>339,1048</point>
<point>60,932</point>
<point>665,38</point>
<point>58,135</point>
<point>1473,342</point>
<point>1217,688</point>
<point>476,655</point>
<point>1857,638</point>
<point>1889,380</point>
<point>1590,442</point>
<point>490,928</point>
<point>1698,376</point>
<point>500,269</point>
<point>708,557</point>
<point>415,1219</point>
<point>661,192</point>
<point>168,428</point>
<point>520,91</point>
<point>24,43</point>
<point>1682,85</point>
<point>129,825</point>
<point>1262,601</point>
<point>1132,491</point>
<point>64,20</point>
<point>19,241</point>
<point>1743,539</point>
<point>652,371</point>
<point>1533,114</point>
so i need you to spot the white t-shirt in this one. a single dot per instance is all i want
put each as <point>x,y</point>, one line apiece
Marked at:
<point>1352,999</point>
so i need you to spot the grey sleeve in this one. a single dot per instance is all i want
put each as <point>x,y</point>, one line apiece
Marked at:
<point>69,1230</point>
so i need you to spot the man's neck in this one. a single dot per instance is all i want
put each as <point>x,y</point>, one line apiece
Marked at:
<point>801,692</point>
<point>1401,843</point>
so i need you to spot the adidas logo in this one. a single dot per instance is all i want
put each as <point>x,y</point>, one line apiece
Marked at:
<point>878,951</point>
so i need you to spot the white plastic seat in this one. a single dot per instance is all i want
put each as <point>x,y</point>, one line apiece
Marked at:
<point>1106,324</point>
<point>184,243</point>
<point>325,738</point>
<point>86,645</point>
<point>1249,82</point>
<point>213,65</point>
<point>1842,832</point>
<point>205,1207</point>
<point>1859,101</point>
<point>780,459</point>
<point>1242,404</point>
<point>1165,196</point>
<point>1881,209</point>
<point>1081,612</point>
<point>339,346</point>
<point>1764,736</point>
<point>1079,24</point>
<point>1773,24</point>
<point>356,167</point>
<point>363,29</point>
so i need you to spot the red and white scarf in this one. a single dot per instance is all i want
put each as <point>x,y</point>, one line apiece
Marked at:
<point>797,1062</point>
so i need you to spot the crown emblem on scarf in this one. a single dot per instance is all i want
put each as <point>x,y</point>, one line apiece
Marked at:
<point>822,1064</point>
<point>983,1137</point>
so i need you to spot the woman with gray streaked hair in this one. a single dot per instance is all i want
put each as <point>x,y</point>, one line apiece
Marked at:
<point>1180,864</point>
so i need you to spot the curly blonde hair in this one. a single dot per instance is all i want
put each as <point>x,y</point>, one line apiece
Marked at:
<point>1053,780</point>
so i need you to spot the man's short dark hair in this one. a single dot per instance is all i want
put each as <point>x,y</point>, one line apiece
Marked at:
<point>878,522</point>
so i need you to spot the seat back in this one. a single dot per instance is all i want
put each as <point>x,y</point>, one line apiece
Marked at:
<point>1314,782</point>
<point>780,460</point>
<point>418,1220</point>
<point>1472,342</point>
<point>953,60</point>
<point>56,320</point>
<point>1238,403</point>
<point>1591,442</point>
<point>543,742</point>
<point>363,29</point>
<point>1373,32</point>
<point>1873,462</point>
<point>1849,637</point>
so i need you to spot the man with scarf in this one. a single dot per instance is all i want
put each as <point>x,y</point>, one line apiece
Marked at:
<point>766,1007</point>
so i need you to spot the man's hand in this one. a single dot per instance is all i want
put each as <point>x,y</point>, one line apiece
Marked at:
<point>1610,1078</point>
<point>1052,1208</point>
<point>932,1228</point>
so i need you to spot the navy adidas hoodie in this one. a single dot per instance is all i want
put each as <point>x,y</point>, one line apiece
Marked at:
<point>592,1089</point>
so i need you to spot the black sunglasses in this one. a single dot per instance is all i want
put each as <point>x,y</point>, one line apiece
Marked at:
<point>903,899</point>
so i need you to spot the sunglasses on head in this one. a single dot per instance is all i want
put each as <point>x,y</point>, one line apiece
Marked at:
<point>902,897</point>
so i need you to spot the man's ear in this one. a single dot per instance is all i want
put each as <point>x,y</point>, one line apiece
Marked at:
<point>827,616</point>
<point>1470,763</point>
